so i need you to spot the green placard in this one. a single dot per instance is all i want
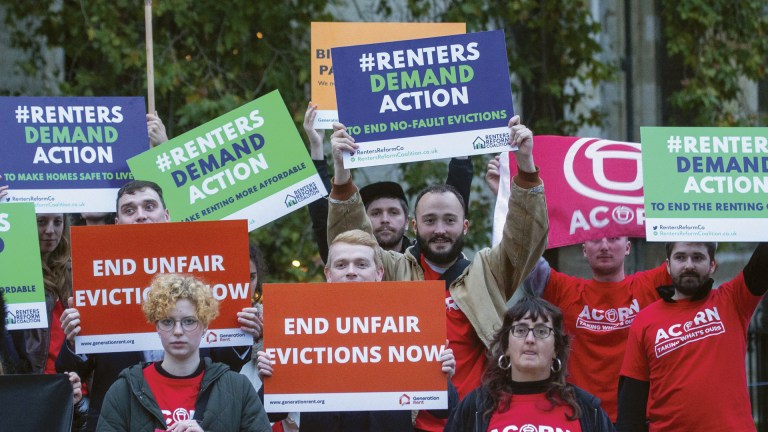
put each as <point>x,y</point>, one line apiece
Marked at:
<point>705,183</point>
<point>222,169</point>
<point>21,280</point>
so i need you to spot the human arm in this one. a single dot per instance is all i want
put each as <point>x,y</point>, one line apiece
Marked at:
<point>633,399</point>
<point>756,271</point>
<point>114,415</point>
<point>318,209</point>
<point>67,360</point>
<point>466,417</point>
<point>254,416</point>
<point>493,175</point>
<point>155,130</point>
<point>460,172</point>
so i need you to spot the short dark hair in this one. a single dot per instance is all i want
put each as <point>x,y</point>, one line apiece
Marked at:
<point>711,248</point>
<point>136,185</point>
<point>441,189</point>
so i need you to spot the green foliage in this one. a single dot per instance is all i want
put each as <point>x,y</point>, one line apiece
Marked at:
<point>552,49</point>
<point>210,57</point>
<point>718,42</point>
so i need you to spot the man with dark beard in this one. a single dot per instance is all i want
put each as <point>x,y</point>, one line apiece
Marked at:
<point>477,290</point>
<point>684,365</point>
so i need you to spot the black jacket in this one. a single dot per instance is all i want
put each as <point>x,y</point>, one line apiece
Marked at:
<point>468,416</point>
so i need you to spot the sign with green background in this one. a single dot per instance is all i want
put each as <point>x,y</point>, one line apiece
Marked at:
<point>705,184</point>
<point>21,278</point>
<point>247,164</point>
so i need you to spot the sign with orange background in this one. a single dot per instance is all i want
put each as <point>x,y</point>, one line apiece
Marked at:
<point>327,35</point>
<point>355,346</point>
<point>113,267</point>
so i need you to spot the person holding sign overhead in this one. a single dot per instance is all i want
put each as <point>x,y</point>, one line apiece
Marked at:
<point>524,383</point>
<point>353,257</point>
<point>137,202</point>
<point>183,392</point>
<point>477,290</point>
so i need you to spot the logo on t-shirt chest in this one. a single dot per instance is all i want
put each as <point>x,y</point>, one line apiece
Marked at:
<point>705,323</point>
<point>601,320</point>
<point>530,428</point>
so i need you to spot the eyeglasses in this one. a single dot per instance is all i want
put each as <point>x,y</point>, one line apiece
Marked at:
<point>540,331</point>
<point>168,324</point>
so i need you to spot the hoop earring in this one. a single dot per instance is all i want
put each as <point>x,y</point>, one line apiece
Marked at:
<point>501,359</point>
<point>559,365</point>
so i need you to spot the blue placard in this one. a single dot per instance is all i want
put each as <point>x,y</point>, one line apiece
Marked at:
<point>68,154</point>
<point>424,98</point>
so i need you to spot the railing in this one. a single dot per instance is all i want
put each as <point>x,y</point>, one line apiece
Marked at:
<point>757,366</point>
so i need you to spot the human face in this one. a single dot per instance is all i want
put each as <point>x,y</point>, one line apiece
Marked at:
<point>142,206</point>
<point>352,263</point>
<point>531,358</point>
<point>178,343</point>
<point>440,227</point>
<point>690,267</point>
<point>254,275</point>
<point>606,256</point>
<point>94,218</point>
<point>50,228</point>
<point>388,221</point>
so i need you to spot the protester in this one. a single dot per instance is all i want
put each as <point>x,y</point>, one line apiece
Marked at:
<point>353,257</point>
<point>183,392</point>
<point>385,202</point>
<point>88,219</point>
<point>138,202</point>
<point>596,311</point>
<point>684,367</point>
<point>524,383</point>
<point>477,290</point>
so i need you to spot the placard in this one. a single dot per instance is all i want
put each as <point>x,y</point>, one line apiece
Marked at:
<point>21,280</point>
<point>327,35</point>
<point>113,267</point>
<point>707,184</point>
<point>425,99</point>
<point>247,164</point>
<point>68,154</point>
<point>355,346</point>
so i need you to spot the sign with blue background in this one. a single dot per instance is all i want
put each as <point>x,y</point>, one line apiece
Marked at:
<point>68,154</point>
<point>425,98</point>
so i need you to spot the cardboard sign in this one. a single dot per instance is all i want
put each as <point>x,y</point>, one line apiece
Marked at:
<point>425,99</point>
<point>248,164</point>
<point>21,281</point>
<point>327,35</point>
<point>113,267</point>
<point>707,184</point>
<point>68,154</point>
<point>355,346</point>
<point>594,188</point>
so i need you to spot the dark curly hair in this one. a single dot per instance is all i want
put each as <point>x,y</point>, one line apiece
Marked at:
<point>498,381</point>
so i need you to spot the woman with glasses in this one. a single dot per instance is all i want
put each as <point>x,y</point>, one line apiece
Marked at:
<point>182,392</point>
<point>523,387</point>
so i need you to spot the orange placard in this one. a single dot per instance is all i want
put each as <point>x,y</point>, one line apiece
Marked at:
<point>327,35</point>
<point>113,266</point>
<point>355,346</point>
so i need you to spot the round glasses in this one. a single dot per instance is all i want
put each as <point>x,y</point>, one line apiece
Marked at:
<point>540,331</point>
<point>168,324</point>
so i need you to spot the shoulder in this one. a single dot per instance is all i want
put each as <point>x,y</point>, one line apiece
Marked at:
<point>584,397</point>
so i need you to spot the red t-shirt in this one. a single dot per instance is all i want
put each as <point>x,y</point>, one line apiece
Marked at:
<point>597,315</point>
<point>468,350</point>
<point>176,397</point>
<point>57,339</point>
<point>533,413</point>
<point>692,353</point>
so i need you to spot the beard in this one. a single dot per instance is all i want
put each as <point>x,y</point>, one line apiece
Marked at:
<point>445,257</point>
<point>689,283</point>
<point>391,240</point>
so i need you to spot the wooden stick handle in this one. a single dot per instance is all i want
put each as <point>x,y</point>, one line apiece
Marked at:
<point>150,59</point>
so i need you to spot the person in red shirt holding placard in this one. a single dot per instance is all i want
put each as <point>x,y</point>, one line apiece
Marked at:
<point>183,392</point>
<point>524,385</point>
<point>684,367</point>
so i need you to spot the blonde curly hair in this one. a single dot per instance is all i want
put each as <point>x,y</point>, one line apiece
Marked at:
<point>167,289</point>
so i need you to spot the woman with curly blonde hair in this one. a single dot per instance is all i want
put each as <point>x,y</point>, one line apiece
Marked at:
<point>182,392</point>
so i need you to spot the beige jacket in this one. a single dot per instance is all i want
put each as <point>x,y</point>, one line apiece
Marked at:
<point>482,290</point>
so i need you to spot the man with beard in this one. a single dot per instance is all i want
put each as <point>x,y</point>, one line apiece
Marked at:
<point>476,290</point>
<point>385,202</point>
<point>684,365</point>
